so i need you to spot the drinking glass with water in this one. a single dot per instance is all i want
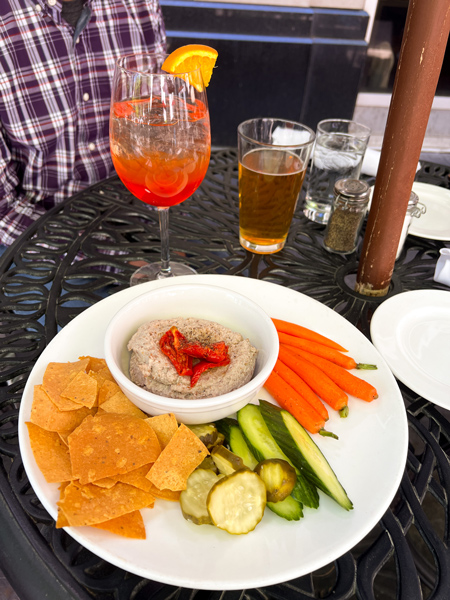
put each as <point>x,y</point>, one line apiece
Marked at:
<point>338,154</point>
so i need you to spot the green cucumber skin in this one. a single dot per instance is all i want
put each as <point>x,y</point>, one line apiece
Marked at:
<point>303,452</point>
<point>235,439</point>
<point>288,509</point>
<point>263,445</point>
<point>224,426</point>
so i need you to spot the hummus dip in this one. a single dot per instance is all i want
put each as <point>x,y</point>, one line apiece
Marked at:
<point>153,371</point>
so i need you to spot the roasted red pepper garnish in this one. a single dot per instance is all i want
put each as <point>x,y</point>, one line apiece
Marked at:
<point>215,353</point>
<point>182,354</point>
<point>203,366</point>
<point>170,344</point>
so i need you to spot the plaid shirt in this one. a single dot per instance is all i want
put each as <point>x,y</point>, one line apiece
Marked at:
<point>55,91</point>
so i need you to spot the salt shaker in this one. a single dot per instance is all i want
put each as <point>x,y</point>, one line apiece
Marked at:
<point>415,209</point>
<point>351,199</point>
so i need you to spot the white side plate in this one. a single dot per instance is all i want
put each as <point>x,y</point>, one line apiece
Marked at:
<point>435,223</point>
<point>412,332</point>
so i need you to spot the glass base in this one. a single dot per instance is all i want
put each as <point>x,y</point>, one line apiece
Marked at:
<point>317,211</point>
<point>261,248</point>
<point>152,272</point>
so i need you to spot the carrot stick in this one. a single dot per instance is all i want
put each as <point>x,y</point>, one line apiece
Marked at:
<point>346,381</point>
<point>294,403</point>
<point>301,387</point>
<point>305,333</point>
<point>320,383</point>
<point>324,351</point>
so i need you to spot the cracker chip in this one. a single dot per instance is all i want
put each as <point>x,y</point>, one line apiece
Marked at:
<point>129,526</point>
<point>176,462</point>
<point>164,426</point>
<point>50,453</point>
<point>57,376</point>
<point>111,444</point>
<point>106,390</point>
<point>90,504</point>
<point>82,389</point>
<point>48,416</point>
<point>121,405</point>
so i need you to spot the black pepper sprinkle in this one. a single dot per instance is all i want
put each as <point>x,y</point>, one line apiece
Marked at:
<point>343,230</point>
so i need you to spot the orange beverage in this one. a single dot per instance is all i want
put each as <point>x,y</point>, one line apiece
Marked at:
<point>270,181</point>
<point>161,160</point>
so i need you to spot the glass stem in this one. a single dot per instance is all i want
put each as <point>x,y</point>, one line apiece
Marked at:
<point>165,252</point>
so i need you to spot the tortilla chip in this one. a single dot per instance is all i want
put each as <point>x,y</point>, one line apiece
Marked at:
<point>138,478</point>
<point>106,390</point>
<point>57,376</point>
<point>47,415</point>
<point>50,453</point>
<point>129,526</point>
<point>111,444</point>
<point>164,426</point>
<point>176,462</point>
<point>82,389</point>
<point>165,494</point>
<point>61,520</point>
<point>121,405</point>
<point>106,482</point>
<point>95,364</point>
<point>106,374</point>
<point>63,436</point>
<point>90,504</point>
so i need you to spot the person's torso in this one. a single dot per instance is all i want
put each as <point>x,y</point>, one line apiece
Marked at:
<point>55,92</point>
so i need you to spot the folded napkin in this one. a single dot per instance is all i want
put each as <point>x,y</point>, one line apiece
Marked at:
<point>371,161</point>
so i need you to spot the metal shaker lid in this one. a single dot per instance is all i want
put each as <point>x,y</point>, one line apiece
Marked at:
<point>354,189</point>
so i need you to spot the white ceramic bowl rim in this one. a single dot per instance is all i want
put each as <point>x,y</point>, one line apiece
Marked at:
<point>180,403</point>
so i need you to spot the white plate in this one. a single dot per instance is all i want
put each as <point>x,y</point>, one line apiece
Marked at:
<point>435,223</point>
<point>412,332</point>
<point>372,440</point>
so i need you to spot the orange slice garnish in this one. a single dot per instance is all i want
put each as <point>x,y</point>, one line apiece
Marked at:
<point>192,56</point>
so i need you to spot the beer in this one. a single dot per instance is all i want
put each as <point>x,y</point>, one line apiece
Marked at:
<point>270,181</point>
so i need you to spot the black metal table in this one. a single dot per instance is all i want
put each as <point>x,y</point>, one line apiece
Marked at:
<point>83,250</point>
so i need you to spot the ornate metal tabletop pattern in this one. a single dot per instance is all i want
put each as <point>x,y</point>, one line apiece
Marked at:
<point>87,248</point>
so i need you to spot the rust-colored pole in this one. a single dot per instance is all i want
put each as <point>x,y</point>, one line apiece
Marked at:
<point>421,56</point>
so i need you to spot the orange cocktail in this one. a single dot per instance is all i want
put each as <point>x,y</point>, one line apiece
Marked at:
<point>160,160</point>
<point>160,135</point>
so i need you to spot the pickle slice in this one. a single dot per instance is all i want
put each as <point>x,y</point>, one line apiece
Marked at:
<point>226,461</point>
<point>236,503</point>
<point>279,477</point>
<point>193,498</point>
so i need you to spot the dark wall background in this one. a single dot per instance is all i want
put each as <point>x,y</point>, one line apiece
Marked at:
<point>292,63</point>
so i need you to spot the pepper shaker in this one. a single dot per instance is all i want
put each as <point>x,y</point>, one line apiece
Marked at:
<point>351,199</point>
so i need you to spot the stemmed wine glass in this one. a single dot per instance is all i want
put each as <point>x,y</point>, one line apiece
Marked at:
<point>160,142</point>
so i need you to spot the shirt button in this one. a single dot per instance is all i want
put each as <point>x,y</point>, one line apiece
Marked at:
<point>51,2</point>
<point>92,146</point>
<point>85,96</point>
<point>38,8</point>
